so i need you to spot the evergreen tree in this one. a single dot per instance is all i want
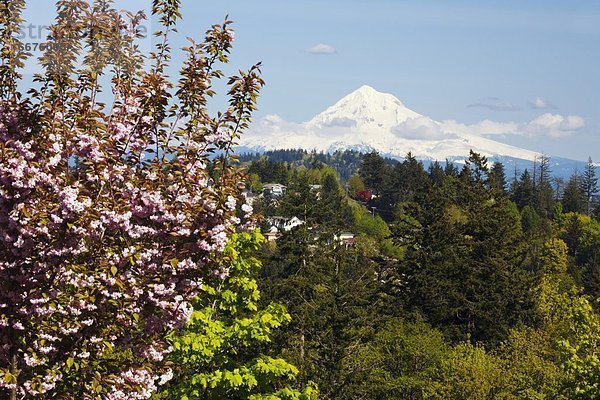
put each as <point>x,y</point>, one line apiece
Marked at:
<point>331,293</point>
<point>530,220</point>
<point>464,260</point>
<point>332,209</point>
<point>373,171</point>
<point>298,201</point>
<point>436,173</point>
<point>476,170</point>
<point>544,194</point>
<point>401,184</point>
<point>589,185</point>
<point>572,200</point>
<point>524,194</point>
<point>450,169</point>
<point>498,178</point>
<point>403,361</point>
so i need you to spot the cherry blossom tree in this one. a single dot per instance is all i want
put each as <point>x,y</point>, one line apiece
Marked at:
<point>109,219</point>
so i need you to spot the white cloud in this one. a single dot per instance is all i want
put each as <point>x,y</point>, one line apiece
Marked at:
<point>494,104</point>
<point>421,128</point>
<point>340,123</point>
<point>555,125</point>
<point>541,104</point>
<point>549,125</point>
<point>482,128</point>
<point>322,49</point>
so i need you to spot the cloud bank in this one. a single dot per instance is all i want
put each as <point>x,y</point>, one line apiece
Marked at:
<point>548,125</point>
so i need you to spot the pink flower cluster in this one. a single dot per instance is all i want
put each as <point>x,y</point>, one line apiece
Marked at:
<point>110,222</point>
<point>100,250</point>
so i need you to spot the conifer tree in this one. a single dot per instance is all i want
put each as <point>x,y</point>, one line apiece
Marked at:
<point>524,194</point>
<point>464,259</point>
<point>589,185</point>
<point>572,199</point>
<point>498,178</point>
<point>543,187</point>
<point>372,171</point>
<point>436,173</point>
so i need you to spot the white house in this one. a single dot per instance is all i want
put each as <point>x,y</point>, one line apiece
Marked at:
<point>277,225</point>
<point>346,238</point>
<point>274,189</point>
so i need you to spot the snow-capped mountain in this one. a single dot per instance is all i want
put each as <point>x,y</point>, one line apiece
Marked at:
<point>370,120</point>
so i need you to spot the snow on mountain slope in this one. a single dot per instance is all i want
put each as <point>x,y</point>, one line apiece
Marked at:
<point>367,119</point>
<point>365,107</point>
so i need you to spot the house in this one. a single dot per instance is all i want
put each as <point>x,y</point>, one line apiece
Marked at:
<point>274,189</point>
<point>284,224</point>
<point>272,234</point>
<point>346,238</point>
<point>278,225</point>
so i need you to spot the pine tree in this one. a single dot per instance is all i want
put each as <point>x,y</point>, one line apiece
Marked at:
<point>498,178</point>
<point>589,185</point>
<point>436,173</point>
<point>332,209</point>
<point>463,259</point>
<point>372,171</point>
<point>524,194</point>
<point>572,200</point>
<point>544,195</point>
<point>330,292</point>
<point>450,169</point>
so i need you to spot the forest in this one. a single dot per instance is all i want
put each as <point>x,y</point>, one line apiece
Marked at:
<point>461,284</point>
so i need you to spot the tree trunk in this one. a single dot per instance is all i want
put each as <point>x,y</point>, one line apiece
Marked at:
<point>301,367</point>
<point>13,371</point>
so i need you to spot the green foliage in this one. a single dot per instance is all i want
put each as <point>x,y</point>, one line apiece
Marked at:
<point>498,178</point>
<point>531,367</point>
<point>470,373</point>
<point>404,360</point>
<point>331,294</point>
<point>589,184</point>
<point>580,349</point>
<point>530,220</point>
<point>573,198</point>
<point>372,172</point>
<point>582,235</point>
<point>355,185</point>
<point>464,260</point>
<point>368,224</point>
<point>450,292</point>
<point>524,192</point>
<point>345,163</point>
<point>219,354</point>
<point>269,171</point>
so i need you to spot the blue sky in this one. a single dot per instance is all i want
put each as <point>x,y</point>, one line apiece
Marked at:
<point>461,60</point>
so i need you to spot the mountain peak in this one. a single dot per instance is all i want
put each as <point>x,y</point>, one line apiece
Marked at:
<point>366,89</point>
<point>368,93</point>
<point>365,106</point>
